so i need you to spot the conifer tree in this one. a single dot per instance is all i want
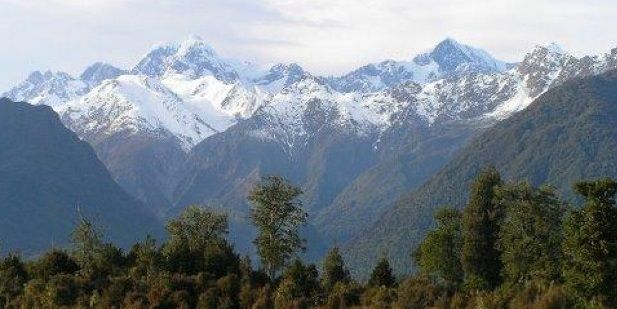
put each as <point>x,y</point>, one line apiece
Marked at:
<point>590,242</point>
<point>334,270</point>
<point>382,275</point>
<point>480,258</point>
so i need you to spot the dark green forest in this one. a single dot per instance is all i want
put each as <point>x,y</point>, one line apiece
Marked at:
<point>513,246</point>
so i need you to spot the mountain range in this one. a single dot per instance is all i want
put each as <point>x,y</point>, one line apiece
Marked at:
<point>188,126</point>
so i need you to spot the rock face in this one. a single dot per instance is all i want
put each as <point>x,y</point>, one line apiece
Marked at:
<point>186,125</point>
<point>48,177</point>
<point>566,135</point>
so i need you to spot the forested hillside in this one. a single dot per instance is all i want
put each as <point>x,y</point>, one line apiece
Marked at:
<point>566,134</point>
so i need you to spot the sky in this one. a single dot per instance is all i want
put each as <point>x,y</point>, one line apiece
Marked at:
<point>324,36</point>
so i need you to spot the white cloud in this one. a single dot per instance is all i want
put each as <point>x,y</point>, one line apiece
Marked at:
<point>326,36</point>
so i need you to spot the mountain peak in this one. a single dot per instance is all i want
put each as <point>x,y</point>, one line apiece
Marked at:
<point>98,72</point>
<point>552,48</point>
<point>40,76</point>
<point>451,42</point>
<point>194,37</point>
<point>195,42</point>
<point>193,57</point>
<point>452,55</point>
<point>545,55</point>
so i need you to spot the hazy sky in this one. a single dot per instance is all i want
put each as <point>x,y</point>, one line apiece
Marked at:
<point>324,36</point>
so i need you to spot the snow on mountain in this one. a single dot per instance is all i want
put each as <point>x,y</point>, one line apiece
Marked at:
<point>133,103</point>
<point>49,88</point>
<point>452,56</point>
<point>478,94</point>
<point>278,77</point>
<point>379,76</point>
<point>193,57</point>
<point>188,91</point>
<point>310,104</point>
<point>447,58</point>
<point>95,74</point>
<point>211,98</point>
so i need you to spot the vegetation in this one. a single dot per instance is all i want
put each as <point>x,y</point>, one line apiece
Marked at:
<point>514,246</point>
<point>522,247</point>
<point>480,225</point>
<point>277,213</point>
<point>439,255</point>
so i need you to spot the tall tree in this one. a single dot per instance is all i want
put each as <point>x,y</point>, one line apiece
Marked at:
<point>480,257</point>
<point>382,275</point>
<point>590,242</point>
<point>439,254</point>
<point>87,242</point>
<point>277,213</point>
<point>334,270</point>
<point>530,236</point>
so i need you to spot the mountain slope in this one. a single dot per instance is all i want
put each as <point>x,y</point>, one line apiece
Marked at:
<point>457,109</point>
<point>47,174</point>
<point>565,135</point>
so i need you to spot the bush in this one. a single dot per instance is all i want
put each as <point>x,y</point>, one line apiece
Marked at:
<point>378,297</point>
<point>418,292</point>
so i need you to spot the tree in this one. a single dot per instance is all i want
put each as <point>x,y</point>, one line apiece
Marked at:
<point>197,227</point>
<point>190,236</point>
<point>53,263</point>
<point>145,258</point>
<point>480,257</point>
<point>590,242</point>
<point>382,275</point>
<point>530,236</point>
<point>13,276</point>
<point>277,213</point>
<point>299,287</point>
<point>87,244</point>
<point>334,270</point>
<point>439,254</point>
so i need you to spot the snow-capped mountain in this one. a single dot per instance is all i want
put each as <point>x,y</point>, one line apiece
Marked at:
<point>449,57</point>
<point>211,93</point>
<point>48,88</point>
<point>135,103</point>
<point>193,57</point>
<point>454,57</point>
